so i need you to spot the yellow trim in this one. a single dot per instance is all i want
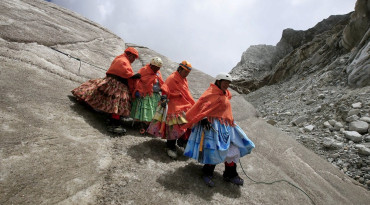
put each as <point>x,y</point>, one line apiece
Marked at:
<point>201,142</point>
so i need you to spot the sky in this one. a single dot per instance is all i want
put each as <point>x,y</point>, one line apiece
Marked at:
<point>211,34</point>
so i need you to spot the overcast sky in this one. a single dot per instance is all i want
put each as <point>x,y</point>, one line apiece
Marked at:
<point>211,34</point>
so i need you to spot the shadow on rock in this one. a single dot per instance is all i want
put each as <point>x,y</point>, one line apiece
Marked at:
<point>187,180</point>
<point>95,118</point>
<point>153,149</point>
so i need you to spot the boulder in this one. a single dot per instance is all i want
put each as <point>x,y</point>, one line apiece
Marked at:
<point>353,135</point>
<point>338,126</point>
<point>353,112</point>
<point>299,121</point>
<point>327,125</point>
<point>332,122</point>
<point>308,128</point>
<point>362,149</point>
<point>352,118</point>
<point>358,126</point>
<point>365,119</point>
<point>331,143</point>
<point>357,105</point>
<point>367,138</point>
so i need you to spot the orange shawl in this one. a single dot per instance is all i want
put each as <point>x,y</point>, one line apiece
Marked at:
<point>121,67</point>
<point>177,90</point>
<point>145,84</point>
<point>213,104</point>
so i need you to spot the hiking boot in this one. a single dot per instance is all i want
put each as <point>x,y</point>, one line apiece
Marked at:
<point>235,180</point>
<point>230,174</point>
<point>172,153</point>
<point>208,181</point>
<point>116,129</point>
<point>119,130</point>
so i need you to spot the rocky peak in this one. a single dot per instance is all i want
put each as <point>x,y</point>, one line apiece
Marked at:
<point>299,53</point>
<point>293,48</point>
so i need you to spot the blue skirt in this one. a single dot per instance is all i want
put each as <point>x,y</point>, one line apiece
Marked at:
<point>216,143</point>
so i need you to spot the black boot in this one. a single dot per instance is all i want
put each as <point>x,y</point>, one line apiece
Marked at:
<point>181,142</point>
<point>171,149</point>
<point>230,175</point>
<point>114,126</point>
<point>208,170</point>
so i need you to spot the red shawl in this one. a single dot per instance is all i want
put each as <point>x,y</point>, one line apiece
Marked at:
<point>121,67</point>
<point>145,84</point>
<point>177,90</point>
<point>213,104</point>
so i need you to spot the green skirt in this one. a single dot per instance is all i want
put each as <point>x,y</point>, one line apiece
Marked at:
<point>143,109</point>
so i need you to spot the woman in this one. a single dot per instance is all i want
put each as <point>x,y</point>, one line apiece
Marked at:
<point>215,138</point>
<point>147,93</point>
<point>170,115</point>
<point>111,93</point>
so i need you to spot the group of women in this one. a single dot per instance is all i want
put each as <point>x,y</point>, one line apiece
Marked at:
<point>205,129</point>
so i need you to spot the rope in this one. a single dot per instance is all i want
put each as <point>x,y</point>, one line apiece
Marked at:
<point>70,56</point>
<point>281,180</point>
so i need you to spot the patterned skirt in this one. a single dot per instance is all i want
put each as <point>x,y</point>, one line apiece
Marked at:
<point>168,129</point>
<point>105,94</point>
<point>222,143</point>
<point>143,109</point>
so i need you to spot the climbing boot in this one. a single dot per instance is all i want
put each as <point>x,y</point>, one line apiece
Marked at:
<point>230,175</point>
<point>172,153</point>
<point>208,180</point>
<point>207,171</point>
<point>114,126</point>
<point>235,180</point>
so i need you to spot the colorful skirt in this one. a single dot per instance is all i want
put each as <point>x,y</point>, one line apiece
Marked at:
<point>143,109</point>
<point>222,143</point>
<point>167,129</point>
<point>105,94</point>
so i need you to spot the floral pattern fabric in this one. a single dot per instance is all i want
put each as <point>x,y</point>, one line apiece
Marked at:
<point>105,94</point>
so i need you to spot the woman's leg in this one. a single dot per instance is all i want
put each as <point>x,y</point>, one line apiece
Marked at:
<point>231,175</point>
<point>114,124</point>
<point>171,148</point>
<point>208,170</point>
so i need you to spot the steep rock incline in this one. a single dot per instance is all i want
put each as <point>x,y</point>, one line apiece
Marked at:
<point>55,150</point>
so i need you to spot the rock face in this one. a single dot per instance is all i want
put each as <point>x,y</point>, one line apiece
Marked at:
<point>356,36</point>
<point>355,31</point>
<point>54,150</point>
<point>323,82</point>
<point>339,43</point>
<point>254,67</point>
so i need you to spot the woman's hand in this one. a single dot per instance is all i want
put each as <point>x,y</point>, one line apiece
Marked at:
<point>164,100</point>
<point>137,94</point>
<point>136,76</point>
<point>205,124</point>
